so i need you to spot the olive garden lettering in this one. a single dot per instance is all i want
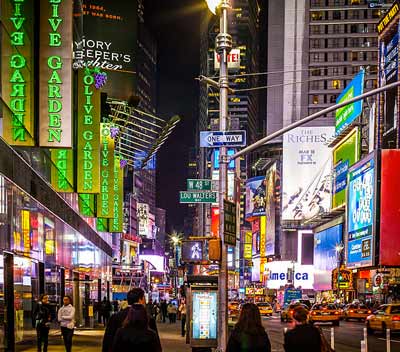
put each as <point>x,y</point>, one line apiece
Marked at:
<point>116,221</point>
<point>62,170</point>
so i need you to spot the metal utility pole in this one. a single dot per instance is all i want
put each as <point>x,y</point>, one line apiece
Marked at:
<point>223,45</point>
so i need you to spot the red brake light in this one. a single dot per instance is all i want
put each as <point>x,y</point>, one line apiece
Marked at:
<point>351,311</point>
<point>369,312</point>
<point>396,318</point>
<point>291,312</point>
<point>336,313</point>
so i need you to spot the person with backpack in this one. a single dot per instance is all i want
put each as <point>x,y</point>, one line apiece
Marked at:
<point>66,318</point>
<point>41,322</point>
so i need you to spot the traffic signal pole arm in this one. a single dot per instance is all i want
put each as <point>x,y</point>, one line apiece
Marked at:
<point>312,117</point>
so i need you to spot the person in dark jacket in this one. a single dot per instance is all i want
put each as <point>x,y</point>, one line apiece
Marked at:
<point>134,296</point>
<point>105,310</point>
<point>41,321</point>
<point>249,335</point>
<point>303,337</point>
<point>135,335</point>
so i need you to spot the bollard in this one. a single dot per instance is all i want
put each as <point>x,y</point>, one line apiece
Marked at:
<point>387,340</point>
<point>333,338</point>
<point>363,346</point>
<point>365,340</point>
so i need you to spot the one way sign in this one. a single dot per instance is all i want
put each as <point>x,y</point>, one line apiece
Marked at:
<point>212,139</point>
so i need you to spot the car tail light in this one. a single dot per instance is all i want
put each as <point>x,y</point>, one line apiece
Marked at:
<point>369,312</point>
<point>336,313</point>
<point>314,313</point>
<point>291,312</point>
<point>396,318</point>
<point>352,311</point>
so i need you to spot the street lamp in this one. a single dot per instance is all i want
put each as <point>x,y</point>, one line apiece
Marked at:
<point>223,45</point>
<point>339,248</point>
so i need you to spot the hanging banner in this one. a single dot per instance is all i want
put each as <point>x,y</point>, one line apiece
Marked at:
<point>55,74</point>
<point>86,205</point>
<point>116,222</point>
<point>17,72</point>
<point>102,225</point>
<point>88,153</point>
<point>62,170</point>
<point>105,208</point>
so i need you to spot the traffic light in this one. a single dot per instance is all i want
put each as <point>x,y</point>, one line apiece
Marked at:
<point>214,249</point>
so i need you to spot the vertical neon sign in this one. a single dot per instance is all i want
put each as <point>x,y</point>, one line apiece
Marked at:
<point>115,223</point>
<point>62,170</point>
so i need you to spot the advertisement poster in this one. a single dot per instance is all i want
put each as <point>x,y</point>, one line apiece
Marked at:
<point>143,219</point>
<point>360,213</point>
<point>279,274</point>
<point>345,154</point>
<point>325,256</point>
<point>347,114</point>
<point>204,315</point>
<point>306,179</point>
<point>255,197</point>
<point>270,210</point>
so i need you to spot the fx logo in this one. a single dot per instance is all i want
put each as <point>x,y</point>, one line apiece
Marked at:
<point>304,158</point>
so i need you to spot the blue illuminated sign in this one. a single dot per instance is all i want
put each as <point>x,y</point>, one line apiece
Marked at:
<point>204,315</point>
<point>360,213</point>
<point>230,152</point>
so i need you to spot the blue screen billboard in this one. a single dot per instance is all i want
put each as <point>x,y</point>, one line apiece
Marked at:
<point>325,256</point>
<point>204,315</point>
<point>360,213</point>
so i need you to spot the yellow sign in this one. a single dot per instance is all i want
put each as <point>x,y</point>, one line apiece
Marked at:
<point>248,251</point>
<point>385,21</point>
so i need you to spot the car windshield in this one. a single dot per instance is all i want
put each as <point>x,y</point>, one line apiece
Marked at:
<point>323,306</point>
<point>264,305</point>
<point>395,310</point>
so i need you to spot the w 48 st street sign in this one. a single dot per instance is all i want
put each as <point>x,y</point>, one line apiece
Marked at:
<point>214,139</point>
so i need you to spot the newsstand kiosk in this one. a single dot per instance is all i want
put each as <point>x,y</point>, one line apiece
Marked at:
<point>202,313</point>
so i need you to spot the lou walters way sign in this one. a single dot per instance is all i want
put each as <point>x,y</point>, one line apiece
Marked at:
<point>55,74</point>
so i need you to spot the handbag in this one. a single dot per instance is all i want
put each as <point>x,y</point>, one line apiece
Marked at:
<point>325,345</point>
<point>71,324</point>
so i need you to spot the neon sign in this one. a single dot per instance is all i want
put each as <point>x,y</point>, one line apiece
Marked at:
<point>116,222</point>
<point>62,172</point>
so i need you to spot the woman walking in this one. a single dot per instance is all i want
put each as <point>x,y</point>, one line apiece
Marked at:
<point>249,335</point>
<point>304,337</point>
<point>41,321</point>
<point>66,317</point>
<point>135,334</point>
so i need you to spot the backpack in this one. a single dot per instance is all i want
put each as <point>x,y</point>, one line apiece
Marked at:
<point>39,317</point>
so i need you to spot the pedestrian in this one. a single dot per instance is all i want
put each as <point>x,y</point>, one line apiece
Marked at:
<point>170,310</point>
<point>134,296</point>
<point>41,322</point>
<point>164,310</point>
<point>135,335</point>
<point>66,318</point>
<point>182,310</point>
<point>303,337</point>
<point>248,334</point>
<point>105,309</point>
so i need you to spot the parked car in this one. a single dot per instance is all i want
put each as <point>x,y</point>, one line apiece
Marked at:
<point>356,311</point>
<point>287,312</point>
<point>385,317</point>
<point>323,312</point>
<point>265,308</point>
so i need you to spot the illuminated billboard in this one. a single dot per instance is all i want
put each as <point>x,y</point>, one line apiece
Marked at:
<point>361,213</point>
<point>278,274</point>
<point>255,197</point>
<point>116,222</point>
<point>270,210</point>
<point>204,314</point>
<point>55,74</point>
<point>345,154</point>
<point>17,72</point>
<point>306,179</point>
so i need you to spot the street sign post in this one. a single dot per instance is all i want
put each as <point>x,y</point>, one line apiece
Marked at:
<point>197,197</point>
<point>229,222</point>
<point>198,185</point>
<point>214,139</point>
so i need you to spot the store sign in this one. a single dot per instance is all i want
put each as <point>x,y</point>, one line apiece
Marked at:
<point>17,72</point>
<point>387,19</point>
<point>105,207</point>
<point>86,203</point>
<point>229,223</point>
<point>255,197</point>
<point>62,170</point>
<point>102,225</point>
<point>254,291</point>
<point>348,113</point>
<point>248,245</point>
<point>361,213</point>
<point>279,274</point>
<point>345,154</point>
<point>55,74</point>
<point>391,57</point>
<point>116,222</point>
<point>205,315</point>
<point>307,166</point>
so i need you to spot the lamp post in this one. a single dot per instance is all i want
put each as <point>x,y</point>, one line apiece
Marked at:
<point>339,248</point>
<point>223,45</point>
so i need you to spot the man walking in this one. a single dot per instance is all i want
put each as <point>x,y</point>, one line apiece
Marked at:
<point>164,310</point>
<point>134,296</point>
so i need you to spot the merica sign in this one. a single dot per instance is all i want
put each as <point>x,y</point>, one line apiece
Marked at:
<point>213,139</point>
<point>347,114</point>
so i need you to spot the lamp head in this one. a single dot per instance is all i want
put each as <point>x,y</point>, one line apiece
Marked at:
<point>213,4</point>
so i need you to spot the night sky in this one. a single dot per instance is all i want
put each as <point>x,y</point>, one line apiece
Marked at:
<point>176,25</point>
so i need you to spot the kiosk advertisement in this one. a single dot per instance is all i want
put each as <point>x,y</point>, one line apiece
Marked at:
<point>204,315</point>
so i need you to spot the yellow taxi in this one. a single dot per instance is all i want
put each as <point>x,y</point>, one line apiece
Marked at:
<point>233,309</point>
<point>356,311</point>
<point>385,317</point>
<point>322,313</point>
<point>287,312</point>
<point>265,308</point>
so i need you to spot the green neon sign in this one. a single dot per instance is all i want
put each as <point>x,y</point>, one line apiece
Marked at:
<point>102,225</point>
<point>116,222</point>
<point>105,208</point>
<point>62,170</point>
<point>88,153</point>
<point>86,203</point>
<point>17,80</point>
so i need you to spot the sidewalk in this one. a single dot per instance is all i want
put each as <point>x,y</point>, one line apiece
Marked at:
<point>91,340</point>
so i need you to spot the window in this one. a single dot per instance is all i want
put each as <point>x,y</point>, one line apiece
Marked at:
<point>354,56</point>
<point>314,85</point>
<point>336,28</point>
<point>376,14</point>
<point>335,71</point>
<point>355,2</point>
<point>336,84</point>
<point>315,30</point>
<point>315,43</point>
<point>353,28</point>
<point>334,43</point>
<point>315,99</point>
<point>333,99</point>
<point>317,15</point>
<point>336,15</point>
<point>316,72</point>
<point>336,57</point>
